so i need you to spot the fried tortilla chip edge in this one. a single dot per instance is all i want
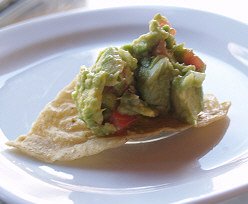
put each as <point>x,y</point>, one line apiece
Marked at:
<point>52,144</point>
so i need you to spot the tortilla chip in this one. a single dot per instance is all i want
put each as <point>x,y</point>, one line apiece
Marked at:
<point>59,135</point>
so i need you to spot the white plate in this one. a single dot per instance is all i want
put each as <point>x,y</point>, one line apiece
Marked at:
<point>39,57</point>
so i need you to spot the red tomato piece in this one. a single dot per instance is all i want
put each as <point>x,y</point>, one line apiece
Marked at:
<point>160,49</point>
<point>173,31</point>
<point>190,58</point>
<point>121,121</point>
<point>164,22</point>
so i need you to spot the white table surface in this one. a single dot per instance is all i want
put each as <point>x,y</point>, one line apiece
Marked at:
<point>235,9</point>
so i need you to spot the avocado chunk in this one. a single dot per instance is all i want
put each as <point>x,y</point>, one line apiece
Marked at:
<point>101,88</point>
<point>188,57</point>
<point>131,104</point>
<point>144,45</point>
<point>151,76</point>
<point>187,96</point>
<point>88,97</point>
<point>154,82</point>
<point>92,83</point>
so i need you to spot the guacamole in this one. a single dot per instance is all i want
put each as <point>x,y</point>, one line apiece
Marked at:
<point>152,76</point>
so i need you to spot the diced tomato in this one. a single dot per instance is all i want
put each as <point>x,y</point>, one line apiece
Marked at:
<point>164,22</point>
<point>121,121</point>
<point>160,49</point>
<point>190,58</point>
<point>173,31</point>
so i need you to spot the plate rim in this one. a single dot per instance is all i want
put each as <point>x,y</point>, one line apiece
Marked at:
<point>62,14</point>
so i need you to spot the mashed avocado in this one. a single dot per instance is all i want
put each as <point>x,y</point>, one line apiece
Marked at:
<point>154,82</point>
<point>107,86</point>
<point>151,76</point>
<point>187,96</point>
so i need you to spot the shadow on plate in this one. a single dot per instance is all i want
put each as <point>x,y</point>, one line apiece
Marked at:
<point>165,162</point>
<point>170,154</point>
<point>177,155</point>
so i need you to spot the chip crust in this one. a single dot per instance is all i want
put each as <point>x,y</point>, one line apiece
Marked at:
<point>59,135</point>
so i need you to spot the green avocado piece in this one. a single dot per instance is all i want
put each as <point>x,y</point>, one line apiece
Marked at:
<point>91,97</point>
<point>154,82</point>
<point>145,44</point>
<point>147,77</point>
<point>101,87</point>
<point>179,52</point>
<point>88,99</point>
<point>113,61</point>
<point>131,104</point>
<point>187,96</point>
<point>182,68</point>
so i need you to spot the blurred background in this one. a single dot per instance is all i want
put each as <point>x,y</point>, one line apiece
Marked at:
<point>13,11</point>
